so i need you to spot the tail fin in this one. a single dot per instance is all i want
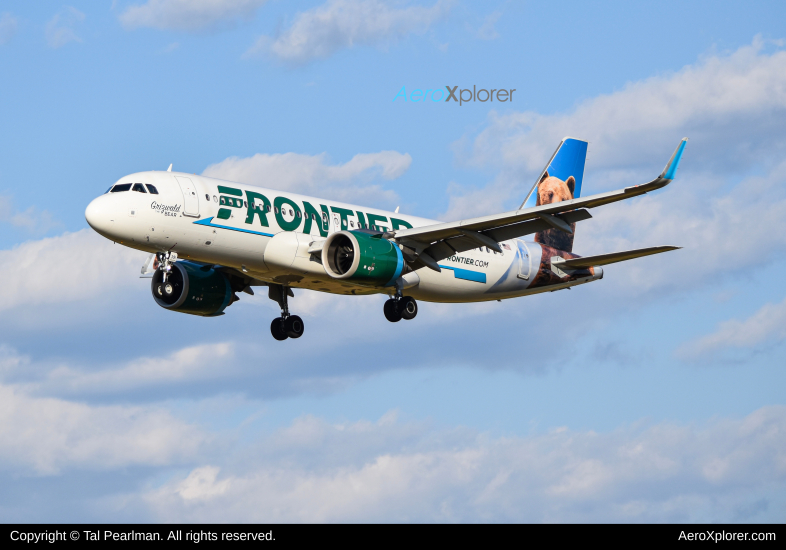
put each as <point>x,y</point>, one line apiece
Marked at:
<point>560,180</point>
<point>568,160</point>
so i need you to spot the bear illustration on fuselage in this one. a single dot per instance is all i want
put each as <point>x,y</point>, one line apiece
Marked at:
<point>552,190</point>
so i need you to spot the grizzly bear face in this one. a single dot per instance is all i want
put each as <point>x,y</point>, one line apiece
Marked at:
<point>551,189</point>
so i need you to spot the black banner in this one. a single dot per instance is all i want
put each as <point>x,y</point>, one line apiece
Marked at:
<point>272,535</point>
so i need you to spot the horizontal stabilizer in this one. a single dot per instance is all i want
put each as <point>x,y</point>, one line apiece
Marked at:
<point>614,257</point>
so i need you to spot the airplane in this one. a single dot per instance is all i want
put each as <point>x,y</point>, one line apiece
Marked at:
<point>211,239</point>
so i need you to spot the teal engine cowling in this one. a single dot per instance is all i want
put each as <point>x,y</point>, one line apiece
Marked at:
<point>362,258</point>
<point>193,288</point>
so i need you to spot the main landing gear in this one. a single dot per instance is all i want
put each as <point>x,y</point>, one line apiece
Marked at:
<point>286,326</point>
<point>400,307</point>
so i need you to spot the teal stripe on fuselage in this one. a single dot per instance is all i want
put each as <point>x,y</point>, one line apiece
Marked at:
<point>466,274</point>
<point>209,222</point>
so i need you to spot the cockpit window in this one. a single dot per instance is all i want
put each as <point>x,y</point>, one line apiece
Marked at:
<point>152,189</point>
<point>139,187</point>
<point>121,187</point>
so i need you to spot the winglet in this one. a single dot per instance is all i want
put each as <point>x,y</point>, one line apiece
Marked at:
<point>671,168</point>
<point>169,169</point>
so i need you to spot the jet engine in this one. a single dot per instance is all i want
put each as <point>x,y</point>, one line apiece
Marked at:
<point>193,288</point>
<point>362,258</point>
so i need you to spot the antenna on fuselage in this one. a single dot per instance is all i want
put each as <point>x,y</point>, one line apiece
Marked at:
<point>169,169</point>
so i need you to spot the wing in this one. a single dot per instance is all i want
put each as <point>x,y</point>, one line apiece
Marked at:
<point>431,243</point>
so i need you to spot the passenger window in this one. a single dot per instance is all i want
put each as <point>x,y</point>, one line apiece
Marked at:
<point>138,187</point>
<point>152,189</point>
<point>207,197</point>
<point>121,187</point>
<point>298,213</point>
<point>352,223</point>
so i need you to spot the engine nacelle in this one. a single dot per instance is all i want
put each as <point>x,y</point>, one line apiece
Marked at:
<point>193,288</point>
<point>362,258</point>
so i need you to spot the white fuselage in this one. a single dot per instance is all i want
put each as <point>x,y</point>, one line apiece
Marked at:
<point>266,234</point>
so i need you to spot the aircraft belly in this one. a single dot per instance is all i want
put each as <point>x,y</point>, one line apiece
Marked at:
<point>524,269</point>
<point>468,277</point>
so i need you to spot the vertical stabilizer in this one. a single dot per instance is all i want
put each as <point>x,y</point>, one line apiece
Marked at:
<point>559,181</point>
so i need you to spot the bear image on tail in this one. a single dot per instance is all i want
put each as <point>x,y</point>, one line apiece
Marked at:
<point>552,190</point>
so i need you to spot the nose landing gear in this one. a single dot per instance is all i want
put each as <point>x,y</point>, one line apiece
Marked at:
<point>286,326</point>
<point>164,261</point>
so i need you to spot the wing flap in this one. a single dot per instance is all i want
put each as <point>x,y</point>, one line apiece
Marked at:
<point>448,247</point>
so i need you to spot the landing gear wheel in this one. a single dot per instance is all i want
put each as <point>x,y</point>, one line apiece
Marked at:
<point>391,311</point>
<point>293,326</point>
<point>407,308</point>
<point>169,289</point>
<point>160,290</point>
<point>277,329</point>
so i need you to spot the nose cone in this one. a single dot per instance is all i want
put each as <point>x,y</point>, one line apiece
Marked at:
<point>98,215</point>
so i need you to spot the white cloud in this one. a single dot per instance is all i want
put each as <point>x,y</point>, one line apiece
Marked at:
<point>60,31</point>
<point>393,472</point>
<point>86,265</point>
<point>321,31</point>
<point>487,30</point>
<point>171,48</point>
<point>8,24</point>
<point>728,105</point>
<point>716,230</point>
<point>189,364</point>
<point>31,219</point>
<point>187,15</point>
<point>313,175</point>
<point>45,435</point>
<point>723,103</point>
<point>766,325</point>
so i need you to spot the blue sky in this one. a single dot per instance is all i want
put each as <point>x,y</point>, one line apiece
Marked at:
<point>656,394</point>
